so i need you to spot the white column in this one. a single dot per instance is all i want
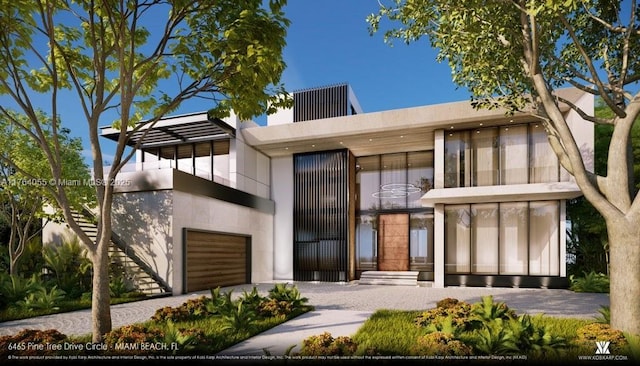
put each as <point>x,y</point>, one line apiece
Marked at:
<point>563,238</point>
<point>438,246</point>
<point>438,159</point>
<point>282,194</point>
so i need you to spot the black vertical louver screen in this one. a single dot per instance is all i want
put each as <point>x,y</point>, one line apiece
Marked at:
<point>321,216</point>
<point>327,102</point>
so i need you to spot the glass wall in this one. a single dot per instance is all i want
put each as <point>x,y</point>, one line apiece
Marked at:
<point>511,238</point>
<point>517,154</point>
<point>208,160</point>
<point>484,238</point>
<point>420,235</point>
<point>394,183</point>
<point>457,239</point>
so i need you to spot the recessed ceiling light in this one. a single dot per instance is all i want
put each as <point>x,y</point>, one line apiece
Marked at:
<point>286,148</point>
<point>451,127</point>
<point>401,136</point>
<point>341,143</point>
<point>480,123</point>
<point>313,145</point>
<point>370,140</point>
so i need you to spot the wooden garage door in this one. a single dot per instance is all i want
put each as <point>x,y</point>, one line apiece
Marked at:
<point>214,259</point>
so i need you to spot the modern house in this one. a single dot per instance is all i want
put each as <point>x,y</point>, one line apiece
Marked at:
<point>325,192</point>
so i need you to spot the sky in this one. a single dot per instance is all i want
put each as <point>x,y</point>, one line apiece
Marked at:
<point>328,42</point>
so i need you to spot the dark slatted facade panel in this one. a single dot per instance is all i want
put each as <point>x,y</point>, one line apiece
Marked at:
<point>321,216</point>
<point>214,260</point>
<point>327,102</point>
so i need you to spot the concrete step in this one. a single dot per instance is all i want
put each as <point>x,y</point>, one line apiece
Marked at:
<point>400,278</point>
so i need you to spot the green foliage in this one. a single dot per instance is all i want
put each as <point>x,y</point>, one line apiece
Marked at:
<point>238,318</point>
<point>590,282</point>
<point>488,310</point>
<point>43,299</point>
<point>605,315</point>
<point>441,344</point>
<point>22,338</point>
<point>326,345</point>
<point>135,333</point>
<point>70,266</point>
<point>186,339</point>
<point>590,333</point>
<point>190,309</point>
<point>253,298</point>
<point>15,288</point>
<point>118,286</point>
<point>282,292</point>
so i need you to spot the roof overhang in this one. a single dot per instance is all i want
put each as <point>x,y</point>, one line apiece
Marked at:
<point>408,129</point>
<point>502,193</point>
<point>176,130</point>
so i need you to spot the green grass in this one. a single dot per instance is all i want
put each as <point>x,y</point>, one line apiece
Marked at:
<point>389,332</point>
<point>13,313</point>
<point>394,332</point>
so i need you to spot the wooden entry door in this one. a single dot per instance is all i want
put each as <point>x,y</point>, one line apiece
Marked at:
<point>393,242</point>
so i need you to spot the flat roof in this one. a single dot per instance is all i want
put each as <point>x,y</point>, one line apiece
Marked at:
<point>175,130</point>
<point>398,130</point>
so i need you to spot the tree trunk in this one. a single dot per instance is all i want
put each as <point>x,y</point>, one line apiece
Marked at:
<point>624,256</point>
<point>101,298</point>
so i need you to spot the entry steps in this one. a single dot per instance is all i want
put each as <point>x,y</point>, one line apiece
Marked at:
<point>401,278</point>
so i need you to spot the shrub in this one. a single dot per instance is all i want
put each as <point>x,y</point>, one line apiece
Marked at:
<point>591,333</point>
<point>487,310</point>
<point>44,337</point>
<point>190,309</point>
<point>43,299</point>
<point>186,339</point>
<point>132,334</point>
<point>325,345</point>
<point>253,298</point>
<point>274,308</point>
<point>282,292</point>
<point>447,302</point>
<point>239,317</point>
<point>458,311</point>
<point>70,266</point>
<point>15,288</point>
<point>605,315</point>
<point>439,343</point>
<point>590,282</point>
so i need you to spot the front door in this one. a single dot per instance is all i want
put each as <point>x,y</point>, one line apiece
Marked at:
<point>393,242</point>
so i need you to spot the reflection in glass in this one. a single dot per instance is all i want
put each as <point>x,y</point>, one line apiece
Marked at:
<point>484,238</point>
<point>456,154</point>
<point>544,239</point>
<point>542,160</point>
<point>514,238</point>
<point>419,175</point>
<point>367,242</point>
<point>393,181</point>
<point>368,180</point>
<point>485,156</point>
<point>421,242</point>
<point>457,239</point>
<point>514,153</point>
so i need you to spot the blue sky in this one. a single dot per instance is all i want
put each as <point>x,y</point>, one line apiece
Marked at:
<point>329,42</point>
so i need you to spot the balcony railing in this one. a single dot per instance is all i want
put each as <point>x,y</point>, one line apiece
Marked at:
<point>171,164</point>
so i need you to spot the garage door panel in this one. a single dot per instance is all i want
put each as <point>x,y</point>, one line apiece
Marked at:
<point>215,259</point>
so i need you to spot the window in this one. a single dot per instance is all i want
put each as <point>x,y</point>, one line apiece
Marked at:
<point>544,238</point>
<point>511,238</point>
<point>517,154</point>
<point>456,147</point>
<point>484,144</point>
<point>420,242</point>
<point>484,238</point>
<point>542,160</point>
<point>457,239</point>
<point>514,222</point>
<point>514,155</point>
